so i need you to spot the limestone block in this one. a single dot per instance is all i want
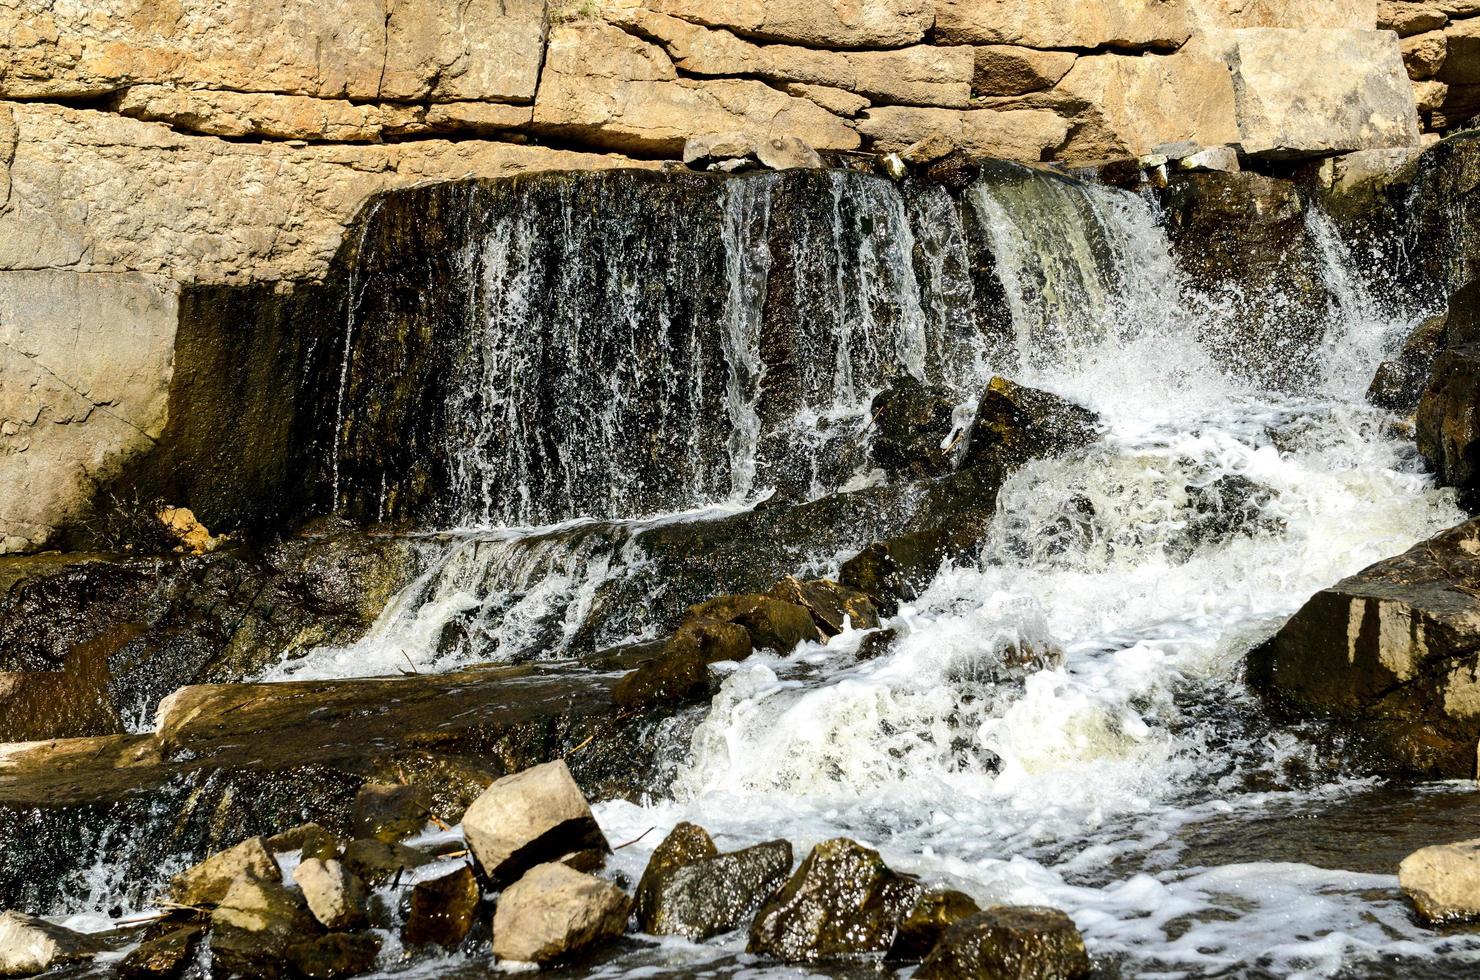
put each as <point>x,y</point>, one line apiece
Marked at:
<point>816,23</point>
<point>834,100</point>
<point>1135,104</point>
<point>1148,24</point>
<point>1406,18</point>
<point>477,117</point>
<point>1443,881</point>
<point>1317,92</point>
<point>1424,54</point>
<point>1462,59</point>
<point>1005,69</point>
<point>610,89</point>
<point>1209,15</point>
<point>1016,134</point>
<point>244,114</point>
<point>452,51</point>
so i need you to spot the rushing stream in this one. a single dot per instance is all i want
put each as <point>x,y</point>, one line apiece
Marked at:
<point>1062,722</point>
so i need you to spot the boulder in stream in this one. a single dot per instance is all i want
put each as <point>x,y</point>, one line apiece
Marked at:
<point>1025,943</point>
<point>376,862</point>
<point>555,912</point>
<point>309,840</point>
<point>712,894</point>
<point>530,818</point>
<point>443,910</point>
<point>1399,382</point>
<point>207,883</point>
<point>935,912</point>
<point>912,423</point>
<point>255,925</point>
<point>842,901</point>
<point>685,844</point>
<point>30,945</point>
<point>1443,881</point>
<point>163,956</point>
<point>334,956</point>
<point>389,811</point>
<point>335,895</point>
<point>1015,424</point>
<point>830,603</point>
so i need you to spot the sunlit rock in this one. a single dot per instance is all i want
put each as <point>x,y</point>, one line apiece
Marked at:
<point>554,912</point>
<point>335,896</point>
<point>29,945</point>
<point>443,910</point>
<point>1007,941</point>
<point>1443,881</point>
<point>529,818</point>
<point>208,882</point>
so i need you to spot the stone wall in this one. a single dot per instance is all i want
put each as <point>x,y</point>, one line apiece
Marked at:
<point>152,145</point>
<point>1441,50</point>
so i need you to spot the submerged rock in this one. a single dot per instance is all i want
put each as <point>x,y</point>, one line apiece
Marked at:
<point>164,956</point>
<point>715,894</point>
<point>334,956</point>
<point>255,925</point>
<point>375,861</point>
<point>530,818</point>
<point>29,945</point>
<point>1026,943</point>
<point>933,914</point>
<point>842,901</point>
<point>1399,383</point>
<point>555,912</point>
<point>310,841</point>
<point>389,812</point>
<point>443,910</point>
<point>334,894</point>
<point>1015,424</point>
<point>1391,654</point>
<point>1443,881</point>
<point>208,882</point>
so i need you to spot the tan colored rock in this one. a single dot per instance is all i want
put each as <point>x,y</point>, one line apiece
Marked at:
<point>334,895</point>
<point>357,49</point>
<point>192,534</point>
<point>242,114</point>
<point>787,153</point>
<point>1407,18</point>
<point>1424,54</point>
<point>1462,59</point>
<point>529,817</point>
<point>1005,69</point>
<point>85,367</point>
<point>1317,92</point>
<point>1135,104</point>
<point>1210,15</point>
<point>555,911</point>
<point>1430,96</point>
<point>834,100</point>
<point>1150,24</point>
<point>608,88</point>
<point>1214,159</point>
<point>1443,881</point>
<point>1015,134</point>
<point>918,75</point>
<point>29,945</point>
<point>208,882</point>
<point>477,117</point>
<point>816,23</point>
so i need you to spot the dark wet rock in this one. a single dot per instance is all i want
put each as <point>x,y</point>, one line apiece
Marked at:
<point>389,811</point>
<point>1449,421</point>
<point>1390,656</point>
<point>1230,505</point>
<point>1027,943</point>
<point>207,883</point>
<point>67,703</point>
<point>912,422</point>
<point>448,783</point>
<point>956,171</point>
<point>934,913</point>
<point>717,894</point>
<point>830,604</point>
<point>877,644</point>
<point>254,927</point>
<point>677,674</point>
<point>555,912</point>
<point>443,910</point>
<point>377,862</point>
<point>29,945</point>
<point>685,844</point>
<point>1400,382</point>
<point>773,624</point>
<point>530,818</point>
<point>335,895</point>
<point>842,901</point>
<point>309,840</point>
<point>163,956</point>
<point>1015,424</point>
<point>334,956</point>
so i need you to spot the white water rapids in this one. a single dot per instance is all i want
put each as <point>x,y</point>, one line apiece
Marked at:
<point>1070,784</point>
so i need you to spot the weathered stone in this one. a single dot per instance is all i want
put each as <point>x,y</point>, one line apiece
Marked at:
<point>932,147</point>
<point>389,811</point>
<point>831,605</point>
<point>443,910</point>
<point>1316,92</point>
<point>1026,942</point>
<point>1063,23</point>
<point>834,100</point>
<point>830,23</point>
<point>310,841</point>
<point>1015,424</point>
<point>208,882</point>
<point>702,150</point>
<point>162,957</point>
<point>787,153</point>
<point>254,927</point>
<point>1399,383</point>
<point>474,117</point>
<point>1407,18</point>
<point>335,956</point>
<point>241,114</point>
<point>29,945</point>
<point>772,623</point>
<point>1016,134</point>
<point>1430,96</point>
<point>1134,104</point>
<point>554,912</point>
<point>1390,653</point>
<point>912,424</point>
<point>685,844</point>
<point>1443,881</point>
<point>1218,15</point>
<point>1005,69</point>
<point>529,818</point>
<point>1424,54</point>
<point>335,896</point>
<point>1449,419</point>
<point>609,88</point>
<point>1462,54</point>
<point>842,901</point>
<point>933,914</point>
<point>680,672</point>
<point>1215,159</point>
<point>718,894</point>
<point>376,862</point>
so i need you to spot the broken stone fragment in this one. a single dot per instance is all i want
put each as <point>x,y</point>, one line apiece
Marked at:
<point>164,956</point>
<point>700,151</point>
<point>716,894</point>
<point>376,862</point>
<point>787,153</point>
<point>1443,881</point>
<point>389,811</point>
<point>830,604</point>
<point>208,882</point>
<point>554,912</point>
<point>1214,159</point>
<point>310,841</point>
<point>529,818</point>
<point>1005,941</point>
<point>334,895</point>
<point>443,910</point>
<point>30,945</point>
<point>843,901</point>
<point>933,914</point>
<point>255,925</point>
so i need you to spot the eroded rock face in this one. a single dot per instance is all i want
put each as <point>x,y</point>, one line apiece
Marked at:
<point>842,901</point>
<point>529,818</point>
<point>1443,881</point>
<point>1028,942</point>
<point>555,912</point>
<point>1389,654</point>
<point>1015,424</point>
<point>1399,383</point>
<point>163,956</point>
<point>830,23</point>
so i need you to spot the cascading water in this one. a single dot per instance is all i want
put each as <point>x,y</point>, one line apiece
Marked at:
<point>1059,722</point>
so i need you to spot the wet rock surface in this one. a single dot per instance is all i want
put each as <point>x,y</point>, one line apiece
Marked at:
<point>444,909</point>
<point>335,895</point>
<point>207,883</point>
<point>1015,424</point>
<point>29,945</point>
<point>163,956</point>
<point>530,818</point>
<point>714,894</point>
<point>933,914</point>
<point>1027,942</point>
<point>256,925</point>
